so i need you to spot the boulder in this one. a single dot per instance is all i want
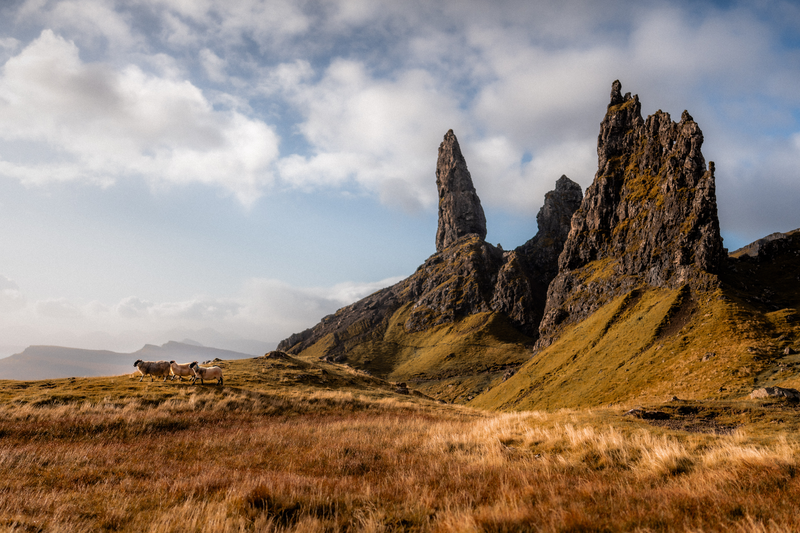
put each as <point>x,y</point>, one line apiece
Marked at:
<point>775,392</point>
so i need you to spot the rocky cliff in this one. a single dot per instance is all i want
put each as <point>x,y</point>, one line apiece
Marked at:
<point>648,218</point>
<point>466,275</point>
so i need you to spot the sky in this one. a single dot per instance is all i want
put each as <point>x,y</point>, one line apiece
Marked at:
<point>231,171</point>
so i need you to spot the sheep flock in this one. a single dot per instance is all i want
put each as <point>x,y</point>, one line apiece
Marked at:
<point>174,370</point>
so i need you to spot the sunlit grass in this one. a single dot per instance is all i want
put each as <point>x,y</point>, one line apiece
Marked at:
<point>226,459</point>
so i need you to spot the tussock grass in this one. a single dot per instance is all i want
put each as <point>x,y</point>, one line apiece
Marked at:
<point>226,459</point>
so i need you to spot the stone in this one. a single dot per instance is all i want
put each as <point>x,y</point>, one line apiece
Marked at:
<point>775,392</point>
<point>521,288</point>
<point>460,211</point>
<point>789,351</point>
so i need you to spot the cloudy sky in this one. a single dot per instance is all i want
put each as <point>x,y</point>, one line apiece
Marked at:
<point>233,170</point>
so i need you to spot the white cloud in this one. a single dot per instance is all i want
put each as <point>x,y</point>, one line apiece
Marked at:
<point>11,298</point>
<point>372,131</point>
<point>213,65</point>
<point>85,19</point>
<point>265,310</point>
<point>503,179</point>
<point>103,124</point>
<point>266,23</point>
<point>60,308</point>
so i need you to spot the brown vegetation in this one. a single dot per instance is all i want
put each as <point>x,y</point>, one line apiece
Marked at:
<point>111,454</point>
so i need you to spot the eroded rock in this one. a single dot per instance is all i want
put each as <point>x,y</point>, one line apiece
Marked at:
<point>460,211</point>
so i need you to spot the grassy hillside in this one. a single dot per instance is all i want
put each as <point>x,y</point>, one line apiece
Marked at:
<point>452,362</point>
<point>652,344</point>
<point>294,446</point>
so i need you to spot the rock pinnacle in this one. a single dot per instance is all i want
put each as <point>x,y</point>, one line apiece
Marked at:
<point>460,211</point>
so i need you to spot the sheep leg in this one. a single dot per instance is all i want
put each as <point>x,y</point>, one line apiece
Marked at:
<point>141,378</point>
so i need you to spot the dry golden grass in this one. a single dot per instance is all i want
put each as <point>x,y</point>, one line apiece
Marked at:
<point>223,459</point>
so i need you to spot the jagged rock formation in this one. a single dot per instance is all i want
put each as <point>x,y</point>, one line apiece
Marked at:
<point>466,276</point>
<point>460,211</point>
<point>638,262</point>
<point>523,279</point>
<point>649,217</point>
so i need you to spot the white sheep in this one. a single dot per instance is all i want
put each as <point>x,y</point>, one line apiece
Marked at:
<point>212,372</point>
<point>154,368</point>
<point>178,370</point>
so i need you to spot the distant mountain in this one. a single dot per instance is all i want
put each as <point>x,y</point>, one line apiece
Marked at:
<point>49,362</point>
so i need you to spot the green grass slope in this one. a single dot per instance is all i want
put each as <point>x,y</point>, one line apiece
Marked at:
<point>651,344</point>
<point>453,362</point>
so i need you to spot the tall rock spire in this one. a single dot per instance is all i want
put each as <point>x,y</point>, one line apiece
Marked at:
<point>460,211</point>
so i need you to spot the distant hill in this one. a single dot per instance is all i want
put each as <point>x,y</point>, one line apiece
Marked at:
<point>50,362</point>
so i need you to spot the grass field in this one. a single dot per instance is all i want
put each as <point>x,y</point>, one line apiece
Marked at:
<point>288,445</point>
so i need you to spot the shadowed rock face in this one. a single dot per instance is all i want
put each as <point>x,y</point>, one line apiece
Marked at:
<point>460,211</point>
<point>651,214</point>
<point>521,288</point>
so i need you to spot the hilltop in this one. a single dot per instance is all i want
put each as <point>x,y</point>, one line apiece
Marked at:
<point>52,362</point>
<point>625,293</point>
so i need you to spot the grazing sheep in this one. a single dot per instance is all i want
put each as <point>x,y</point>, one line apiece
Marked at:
<point>154,368</point>
<point>212,372</point>
<point>178,371</point>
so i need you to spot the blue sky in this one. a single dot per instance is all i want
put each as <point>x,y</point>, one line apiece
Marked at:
<point>230,171</point>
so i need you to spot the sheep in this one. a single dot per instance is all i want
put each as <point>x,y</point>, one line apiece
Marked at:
<point>212,372</point>
<point>178,370</point>
<point>154,368</point>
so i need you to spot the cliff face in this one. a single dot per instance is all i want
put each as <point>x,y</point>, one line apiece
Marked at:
<point>649,217</point>
<point>465,276</point>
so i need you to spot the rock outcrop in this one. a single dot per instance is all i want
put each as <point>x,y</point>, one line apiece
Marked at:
<point>649,217</point>
<point>775,392</point>
<point>460,211</point>
<point>465,276</point>
<point>521,288</point>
